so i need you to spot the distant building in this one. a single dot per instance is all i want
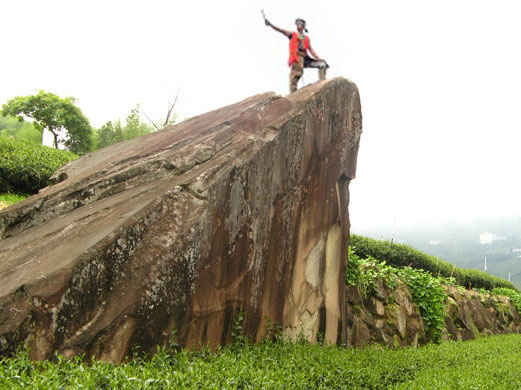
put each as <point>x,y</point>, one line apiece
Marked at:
<point>435,242</point>
<point>488,238</point>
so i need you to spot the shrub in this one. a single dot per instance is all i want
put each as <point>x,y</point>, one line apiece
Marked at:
<point>485,363</point>
<point>25,167</point>
<point>426,290</point>
<point>363,273</point>
<point>10,126</point>
<point>514,295</point>
<point>9,199</point>
<point>400,255</point>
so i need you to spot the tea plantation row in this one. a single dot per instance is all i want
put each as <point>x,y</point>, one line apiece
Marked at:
<point>25,167</point>
<point>486,363</point>
<point>400,255</point>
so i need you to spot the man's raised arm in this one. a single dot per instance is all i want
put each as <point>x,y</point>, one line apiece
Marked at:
<point>285,32</point>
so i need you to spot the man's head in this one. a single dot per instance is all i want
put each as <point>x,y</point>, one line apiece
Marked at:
<point>301,25</point>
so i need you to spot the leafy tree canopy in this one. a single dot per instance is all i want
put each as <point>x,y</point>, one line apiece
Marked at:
<point>112,132</point>
<point>55,114</point>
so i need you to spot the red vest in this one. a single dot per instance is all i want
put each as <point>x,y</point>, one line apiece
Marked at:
<point>293,47</point>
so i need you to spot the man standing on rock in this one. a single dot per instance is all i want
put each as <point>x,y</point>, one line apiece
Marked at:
<point>299,59</point>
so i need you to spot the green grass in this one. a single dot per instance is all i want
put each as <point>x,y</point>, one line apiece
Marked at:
<point>9,199</point>
<point>486,363</point>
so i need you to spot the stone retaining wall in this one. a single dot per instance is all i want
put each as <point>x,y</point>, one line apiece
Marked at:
<point>389,317</point>
<point>383,317</point>
<point>470,314</point>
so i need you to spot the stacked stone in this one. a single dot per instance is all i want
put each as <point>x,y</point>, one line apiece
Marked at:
<point>387,316</point>
<point>470,314</point>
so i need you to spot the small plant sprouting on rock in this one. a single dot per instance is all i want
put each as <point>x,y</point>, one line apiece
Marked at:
<point>238,337</point>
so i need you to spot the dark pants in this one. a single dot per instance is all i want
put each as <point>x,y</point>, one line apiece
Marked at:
<point>297,69</point>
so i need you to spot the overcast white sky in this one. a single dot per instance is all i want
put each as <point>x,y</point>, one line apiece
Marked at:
<point>440,82</point>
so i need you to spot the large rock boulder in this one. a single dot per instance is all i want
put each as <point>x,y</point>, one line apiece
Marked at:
<point>243,209</point>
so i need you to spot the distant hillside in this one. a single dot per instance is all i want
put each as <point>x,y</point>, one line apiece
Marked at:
<point>460,243</point>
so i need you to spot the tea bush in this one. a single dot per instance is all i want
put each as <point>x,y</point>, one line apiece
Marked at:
<point>363,273</point>
<point>25,167</point>
<point>485,363</point>
<point>9,199</point>
<point>400,255</point>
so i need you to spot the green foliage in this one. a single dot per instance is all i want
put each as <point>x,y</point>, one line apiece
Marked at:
<point>10,126</point>
<point>402,255</point>
<point>426,290</point>
<point>485,363</point>
<point>238,336</point>
<point>26,167</point>
<point>53,113</point>
<point>354,272</point>
<point>108,134</point>
<point>459,243</point>
<point>134,127</point>
<point>515,296</point>
<point>9,199</point>
<point>363,273</point>
<point>111,133</point>
<point>429,295</point>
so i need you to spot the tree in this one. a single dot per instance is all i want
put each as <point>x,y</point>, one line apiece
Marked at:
<point>10,126</point>
<point>171,116</point>
<point>112,132</point>
<point>134,127</point>
<point>105,135</point>
<point>55,114</point>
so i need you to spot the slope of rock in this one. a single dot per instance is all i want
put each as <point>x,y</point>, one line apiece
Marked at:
<point>241,209</point>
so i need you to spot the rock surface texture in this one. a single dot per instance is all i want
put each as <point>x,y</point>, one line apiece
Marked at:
<point>470,314</point>
<point>389,316</point>
<point>243,209</point>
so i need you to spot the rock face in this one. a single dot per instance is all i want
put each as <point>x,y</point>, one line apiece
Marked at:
<point>243,209</point>
<point>387,316</point>
<point>470,314</point>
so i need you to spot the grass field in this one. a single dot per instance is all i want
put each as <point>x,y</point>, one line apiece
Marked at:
<point>486,363</point>
<point>9,199</point>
